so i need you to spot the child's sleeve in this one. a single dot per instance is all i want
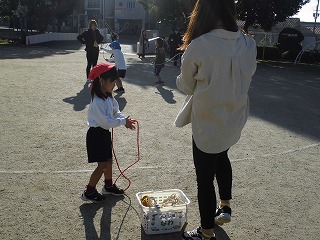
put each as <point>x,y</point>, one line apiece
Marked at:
<point>111,59</point>
<point>106,120</point>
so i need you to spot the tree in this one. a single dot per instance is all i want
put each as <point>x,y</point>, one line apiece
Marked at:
<point>267,13</point>
<point>37,13</point>
<point>7,7</point>
<point>170,10</point>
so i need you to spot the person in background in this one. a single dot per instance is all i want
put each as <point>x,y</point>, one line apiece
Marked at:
<point>217,68</point>
<point>91,38</point>
<point>143,44</point>
<point>120,62</point>
<point>114,37</point>
<point>159,59</point>
<point>174,42</point>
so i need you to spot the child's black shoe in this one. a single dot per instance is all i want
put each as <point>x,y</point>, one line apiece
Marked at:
<point>114,190</point>
<point>93,197</point>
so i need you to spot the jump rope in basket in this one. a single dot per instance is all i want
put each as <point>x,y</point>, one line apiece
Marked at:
<point>172,200</point>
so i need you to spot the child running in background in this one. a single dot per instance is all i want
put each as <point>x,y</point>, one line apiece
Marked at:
<point>103,114</point>
<point>120,62</point>
<point>159,60</point>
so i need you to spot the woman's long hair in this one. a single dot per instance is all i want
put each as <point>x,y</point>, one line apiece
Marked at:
<point>93,22</point>
<point>208,15</point>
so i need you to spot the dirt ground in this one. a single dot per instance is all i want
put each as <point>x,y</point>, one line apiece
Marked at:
<point>44,169</point>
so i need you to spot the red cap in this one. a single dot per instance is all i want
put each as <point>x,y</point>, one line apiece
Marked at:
<point>97,70</point>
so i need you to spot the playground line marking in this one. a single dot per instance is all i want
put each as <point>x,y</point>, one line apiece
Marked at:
<point>157,167</point>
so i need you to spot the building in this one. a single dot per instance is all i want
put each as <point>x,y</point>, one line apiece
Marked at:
<point>123,16</point>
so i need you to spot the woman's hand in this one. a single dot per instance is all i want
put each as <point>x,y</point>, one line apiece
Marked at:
<point>130,123</point>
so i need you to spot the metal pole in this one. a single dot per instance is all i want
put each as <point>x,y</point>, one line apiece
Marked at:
<point>103,13</point>
<point>315,18</point>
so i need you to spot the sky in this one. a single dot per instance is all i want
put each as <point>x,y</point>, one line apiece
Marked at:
<point>307,10</point>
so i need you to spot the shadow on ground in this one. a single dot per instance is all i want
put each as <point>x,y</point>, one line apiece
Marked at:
<point>287,96</point>
<point>280,93</point>
<point>18,51</point>
<point>81,99</point>
<point>167,94</point>
<point>88,213</point>
<point>39,50</point>
<point>283,94</point>
<point>219,232</point>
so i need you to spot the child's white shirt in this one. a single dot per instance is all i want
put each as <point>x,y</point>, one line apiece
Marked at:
<point>119,59</point>
<point>105,113</point>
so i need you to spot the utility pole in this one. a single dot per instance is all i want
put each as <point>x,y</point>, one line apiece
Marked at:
<point>315,18</point>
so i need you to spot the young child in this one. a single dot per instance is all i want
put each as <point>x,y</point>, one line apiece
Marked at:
<point>159,60</point>
<point>103,114</point>
<point>120,63</point>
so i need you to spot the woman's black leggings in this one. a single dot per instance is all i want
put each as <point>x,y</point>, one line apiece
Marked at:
<point>92,59</point>
<point>207,167</point>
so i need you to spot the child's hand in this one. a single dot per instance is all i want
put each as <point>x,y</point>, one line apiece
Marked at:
<point>130,123</point>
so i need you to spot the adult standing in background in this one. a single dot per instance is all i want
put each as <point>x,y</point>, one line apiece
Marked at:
<point>174,43</point>
<point>91,38</point>
<point>143,44</point>
<point>217,68</point>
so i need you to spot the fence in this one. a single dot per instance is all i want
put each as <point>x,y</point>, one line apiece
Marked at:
<point>269,39</point>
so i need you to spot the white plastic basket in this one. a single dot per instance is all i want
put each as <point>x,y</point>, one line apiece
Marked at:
<point>155,220</point>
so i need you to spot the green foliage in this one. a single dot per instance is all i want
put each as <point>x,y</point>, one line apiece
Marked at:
<point>268,53</point>
<point>267,13</point>
<point>38,13</point>
<point>312,56</point>
<point>169,9</point>
<point>273,53</point>
<point>7,7</point>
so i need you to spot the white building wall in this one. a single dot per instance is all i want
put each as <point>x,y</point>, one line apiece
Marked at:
<point>129,9</point>
<point>109,8</point>
<point>123,16</point>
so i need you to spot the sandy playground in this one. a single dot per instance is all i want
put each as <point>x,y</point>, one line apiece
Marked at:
<point>43,165</point>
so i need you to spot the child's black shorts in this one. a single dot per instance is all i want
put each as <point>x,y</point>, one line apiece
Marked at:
<point>99,145</point>
<point>122,73</point>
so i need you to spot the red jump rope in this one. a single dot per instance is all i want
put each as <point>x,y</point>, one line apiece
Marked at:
<point>114,154</point>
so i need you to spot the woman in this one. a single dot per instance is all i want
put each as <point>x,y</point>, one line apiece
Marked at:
<point>217,68</point>
<point>143,44</point>
<point>174,42</point>
<point>91,38</point>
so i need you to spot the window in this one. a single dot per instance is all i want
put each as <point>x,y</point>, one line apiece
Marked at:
<point>93,4</point>
<point>131,4</point>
